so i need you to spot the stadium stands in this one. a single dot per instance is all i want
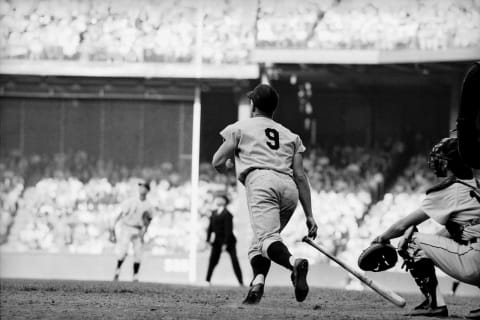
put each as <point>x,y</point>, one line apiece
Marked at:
<point>370,24</point>
<point>165,31</point>
<point>70,201</point>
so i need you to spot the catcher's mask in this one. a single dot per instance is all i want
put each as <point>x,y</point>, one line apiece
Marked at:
<point>440,156</point>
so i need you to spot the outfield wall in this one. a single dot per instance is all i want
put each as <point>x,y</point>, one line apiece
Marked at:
<point>175,270</point>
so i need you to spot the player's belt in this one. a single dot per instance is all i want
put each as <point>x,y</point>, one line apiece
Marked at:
<point>268,169</point>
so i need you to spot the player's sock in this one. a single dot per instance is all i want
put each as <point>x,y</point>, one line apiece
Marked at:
<point>119,263</point>
<point>279,254</point>
<point>260,278</point>
<point>260,267</point>
<point>292,260</point>
<point>136,267</point>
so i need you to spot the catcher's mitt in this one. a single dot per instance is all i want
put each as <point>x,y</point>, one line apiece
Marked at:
<point>378,257</point>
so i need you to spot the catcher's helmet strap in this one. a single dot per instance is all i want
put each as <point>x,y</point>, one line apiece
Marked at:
<point>442,185</point>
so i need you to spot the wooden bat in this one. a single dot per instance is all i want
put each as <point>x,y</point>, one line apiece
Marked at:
<point>386,293</point>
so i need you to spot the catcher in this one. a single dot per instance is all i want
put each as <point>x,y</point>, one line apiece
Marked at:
<point>134,218</point>
<point>455,250</point>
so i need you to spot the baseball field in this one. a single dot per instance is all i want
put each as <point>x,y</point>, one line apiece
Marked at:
<point>42,299</point>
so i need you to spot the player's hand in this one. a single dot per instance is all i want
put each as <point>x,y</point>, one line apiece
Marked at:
<point>312,227</point>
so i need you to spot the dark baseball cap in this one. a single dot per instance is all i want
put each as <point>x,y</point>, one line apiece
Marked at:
<point>264,97</point>
<point>145,184</point>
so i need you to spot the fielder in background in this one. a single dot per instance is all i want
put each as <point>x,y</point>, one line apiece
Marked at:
<point>269,162</point>
<point>456,249</point>
<point>132,224</point>
<point>221,226</point>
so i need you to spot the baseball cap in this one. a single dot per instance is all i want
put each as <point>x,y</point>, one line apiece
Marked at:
<point>145,184</point>
<point>264,97</point>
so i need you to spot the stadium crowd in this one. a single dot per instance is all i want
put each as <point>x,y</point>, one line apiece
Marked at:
<point>165,31</point>
<point>370,24</point>
<point>68,202</point>
<point>159,31</point>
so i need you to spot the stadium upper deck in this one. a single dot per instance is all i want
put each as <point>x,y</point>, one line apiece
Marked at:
<point>221,32</point>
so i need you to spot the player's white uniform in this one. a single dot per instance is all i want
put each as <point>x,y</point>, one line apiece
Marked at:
<point>131,227</point>
<point>263,160</point>
<point>452,204</point>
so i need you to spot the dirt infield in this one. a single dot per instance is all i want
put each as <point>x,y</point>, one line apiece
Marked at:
<point>35,299</point>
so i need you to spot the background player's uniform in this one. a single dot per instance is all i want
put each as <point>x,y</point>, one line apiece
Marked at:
<point>263,160</point>
<point>456,209</point>
<point>132,226</point>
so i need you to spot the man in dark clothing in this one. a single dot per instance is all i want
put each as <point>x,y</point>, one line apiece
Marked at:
<point>221,224</point>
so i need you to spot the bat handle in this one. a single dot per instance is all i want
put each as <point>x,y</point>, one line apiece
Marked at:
<point>306,239</point>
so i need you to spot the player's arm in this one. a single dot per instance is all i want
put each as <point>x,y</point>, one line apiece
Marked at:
<point>112,234</point>
<point>119,216</point>
<point>304,193</point>
<point>224,153</point>
<point>398,228</point>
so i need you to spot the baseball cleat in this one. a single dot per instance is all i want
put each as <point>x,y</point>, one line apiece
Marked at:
<point>473,315</point>
<point>115,278</point>
<point>429,311</point>
<point>255,294</point>
<point>299,279</point>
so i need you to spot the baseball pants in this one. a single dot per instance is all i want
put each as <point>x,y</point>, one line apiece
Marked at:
<point>128,234</point>
<point>272,198</point>
<point>462,262</point>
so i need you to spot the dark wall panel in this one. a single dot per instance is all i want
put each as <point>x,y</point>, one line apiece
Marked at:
<point>10,113</point>
<point>219,109</point>
<point>82,126</point>
<point>42,126</point>
<point>122,131</point>
<point>162,132</point>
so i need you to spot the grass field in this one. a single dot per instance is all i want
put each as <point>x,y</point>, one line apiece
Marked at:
<point>40,299</point>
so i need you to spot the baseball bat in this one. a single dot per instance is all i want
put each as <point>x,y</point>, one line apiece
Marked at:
<point>386,293</point>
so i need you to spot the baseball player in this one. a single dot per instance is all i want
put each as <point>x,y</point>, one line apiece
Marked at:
<point>268,161</point>
<point>133,221</point>
<point>456,249</point>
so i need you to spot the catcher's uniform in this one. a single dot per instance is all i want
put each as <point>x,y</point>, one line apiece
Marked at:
<point>456,251</point>
<point>132,227</point>
<point>263,160</point>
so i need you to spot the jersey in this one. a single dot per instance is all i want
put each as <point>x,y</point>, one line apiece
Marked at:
<point>262,143</point>
<point>453,203</point>
<point>134,211</point>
